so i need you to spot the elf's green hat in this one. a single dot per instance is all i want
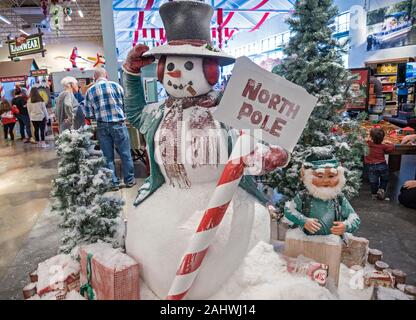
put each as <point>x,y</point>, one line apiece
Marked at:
<point>320,157</point>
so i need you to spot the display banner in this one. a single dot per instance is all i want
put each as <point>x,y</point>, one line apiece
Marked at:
<point>40,72</point>
<point>392,26</point>
<point>358,90</point>
<point>13,79</point>
<point>271,108</point>
<point>32,45</point>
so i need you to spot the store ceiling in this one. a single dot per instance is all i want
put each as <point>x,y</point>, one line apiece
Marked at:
<point>24,13</point>
<point>126,13</point>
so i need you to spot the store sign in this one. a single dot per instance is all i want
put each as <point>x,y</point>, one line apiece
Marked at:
<point>273,109</point>
<point>32,45</point>
<point>13,79</point>
<point>40,72</point>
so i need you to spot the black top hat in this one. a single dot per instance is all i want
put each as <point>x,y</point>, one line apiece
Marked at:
<point>188,31</point>
<point>185,20</point>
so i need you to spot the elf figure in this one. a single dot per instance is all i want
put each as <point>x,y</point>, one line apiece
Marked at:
<point>99,61</point>
<point>322,209</point>
<point>73,57</point>
<point>187,151</point>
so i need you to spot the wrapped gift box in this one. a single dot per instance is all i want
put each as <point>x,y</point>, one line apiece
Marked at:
<point>114,275</point>
<point>58,273</point>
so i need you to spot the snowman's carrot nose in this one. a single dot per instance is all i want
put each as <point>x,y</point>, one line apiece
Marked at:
<point>175,74</point>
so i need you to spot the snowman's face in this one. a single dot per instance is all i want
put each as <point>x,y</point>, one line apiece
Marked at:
<point>184,77</point>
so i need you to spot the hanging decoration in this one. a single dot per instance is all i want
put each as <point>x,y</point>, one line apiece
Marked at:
<point>220,33</point>
<point>67,13</point>
<point>99,62</point>
<point>56,17</point>
<point>44,6</point>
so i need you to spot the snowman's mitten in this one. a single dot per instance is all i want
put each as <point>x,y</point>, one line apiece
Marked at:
<point>265,159</point>
<point>135,60</point>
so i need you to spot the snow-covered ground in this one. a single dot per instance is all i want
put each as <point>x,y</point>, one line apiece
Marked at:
<point>263,276</point>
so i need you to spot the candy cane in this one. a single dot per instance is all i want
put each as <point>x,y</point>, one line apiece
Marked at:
<point>208,226</point>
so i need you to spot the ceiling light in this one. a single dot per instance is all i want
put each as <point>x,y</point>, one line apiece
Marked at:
<point>5,20</point>
<point>80,14</point>
<point>24,32</point>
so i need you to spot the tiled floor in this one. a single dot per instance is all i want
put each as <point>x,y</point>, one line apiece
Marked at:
<point>25,182</point>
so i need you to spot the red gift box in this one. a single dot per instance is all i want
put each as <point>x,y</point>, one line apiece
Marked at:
<point>113,274</point>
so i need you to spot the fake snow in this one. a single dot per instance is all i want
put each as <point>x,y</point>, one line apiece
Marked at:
<point>263,275</point>
<point>298,234</point>
<point>391,294</point>
<point>74,295</point>
<point>30,286</point>
<point>110,257</point>
<point>55,270</point>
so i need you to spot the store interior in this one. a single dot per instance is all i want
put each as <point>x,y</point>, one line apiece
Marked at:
<point>43,43</point>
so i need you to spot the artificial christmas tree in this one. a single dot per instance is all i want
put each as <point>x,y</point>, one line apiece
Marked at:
<point>314,61</point>
<point>79,193</point>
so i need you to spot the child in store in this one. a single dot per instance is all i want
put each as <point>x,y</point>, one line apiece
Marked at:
<point>8,118</point>
<point>378,170</point>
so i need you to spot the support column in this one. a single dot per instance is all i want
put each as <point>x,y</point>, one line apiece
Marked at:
<point>109,39</point>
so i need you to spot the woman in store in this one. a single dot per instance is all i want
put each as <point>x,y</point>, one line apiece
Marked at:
<point>67,104</point>
<point>8,118</point>
<point>38,115</point>
<point>20,101</point>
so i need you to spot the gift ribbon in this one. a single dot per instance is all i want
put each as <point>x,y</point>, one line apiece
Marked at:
<point>87,286</point>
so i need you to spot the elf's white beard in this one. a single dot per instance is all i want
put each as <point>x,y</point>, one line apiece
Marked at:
<point>324,193</point>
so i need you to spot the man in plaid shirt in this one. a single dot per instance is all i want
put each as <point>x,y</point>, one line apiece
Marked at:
<point>104,102</point>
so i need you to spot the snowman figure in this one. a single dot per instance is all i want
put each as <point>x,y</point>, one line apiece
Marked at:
<point>187,151</point>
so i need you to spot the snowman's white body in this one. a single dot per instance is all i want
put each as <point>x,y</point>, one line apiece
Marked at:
<point>160,228</point>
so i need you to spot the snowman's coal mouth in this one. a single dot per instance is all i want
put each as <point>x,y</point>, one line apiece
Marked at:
<point>179,86</point>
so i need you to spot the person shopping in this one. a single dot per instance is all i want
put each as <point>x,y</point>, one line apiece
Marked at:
<point>8,118</point>
<point>378,170</point>
<point>38,115</point>
<point>67,104</point>
<point>20,101</point>
<point>104,102</point>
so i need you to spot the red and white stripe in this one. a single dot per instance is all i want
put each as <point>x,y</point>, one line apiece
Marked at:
<point>208,226</point>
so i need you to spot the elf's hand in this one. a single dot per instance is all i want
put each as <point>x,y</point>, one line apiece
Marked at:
<point>135,60</point>
<point>312,225</point>
<point>265,159</point>
<point>338,228</point>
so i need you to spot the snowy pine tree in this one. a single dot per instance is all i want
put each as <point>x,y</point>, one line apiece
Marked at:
<point>314,61</point>
<point>79,193</point>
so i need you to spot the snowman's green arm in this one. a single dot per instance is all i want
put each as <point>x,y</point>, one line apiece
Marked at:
<point>134,101</point>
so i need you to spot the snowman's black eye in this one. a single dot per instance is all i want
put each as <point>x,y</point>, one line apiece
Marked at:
<point>189,65</point>
<point>170,66</point>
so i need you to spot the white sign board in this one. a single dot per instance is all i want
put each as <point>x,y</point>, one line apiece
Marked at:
<point>258,100</point>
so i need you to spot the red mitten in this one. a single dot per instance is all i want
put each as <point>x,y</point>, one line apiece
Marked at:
<point>265,159</point>
<point>135,60</point>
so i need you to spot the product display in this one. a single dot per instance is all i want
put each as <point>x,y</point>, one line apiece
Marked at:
<point>207,150</point>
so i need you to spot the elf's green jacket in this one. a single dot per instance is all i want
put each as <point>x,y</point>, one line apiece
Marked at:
<point>147,121</point>
<point>324,211</point>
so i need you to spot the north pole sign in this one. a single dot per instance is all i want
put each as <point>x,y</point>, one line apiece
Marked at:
<point>32,45</point>
<point>271,108</point>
